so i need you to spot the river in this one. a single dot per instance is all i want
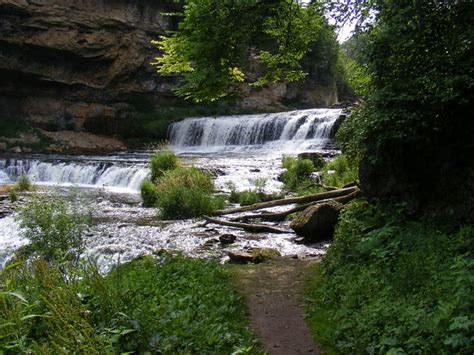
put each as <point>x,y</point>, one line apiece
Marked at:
<point>236,149</point>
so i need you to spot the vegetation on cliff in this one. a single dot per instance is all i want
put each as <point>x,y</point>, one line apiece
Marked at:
<point>219,43</point>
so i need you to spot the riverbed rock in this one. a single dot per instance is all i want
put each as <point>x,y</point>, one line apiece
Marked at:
<point>315,157</point>
<point>3,147</point>
<point>227,238</point>
<point>238,256</point>
<point>263,254</point>
<point>316,223</point>
<point>15,150</point>
<point>80,142</point>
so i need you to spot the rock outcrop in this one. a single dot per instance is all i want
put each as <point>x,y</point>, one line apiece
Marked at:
<point>67,63</point>
<point>316,223</point>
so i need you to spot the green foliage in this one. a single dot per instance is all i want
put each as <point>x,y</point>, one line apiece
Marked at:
<point>211,48</point>
<point>55,225</point>
<point>11,128</point>
<point>389,285</point>
<point>23,184</point>
<point>413,134</point>
<point>13,195</point>
<point>148,193</point>
<point>298,173</point>
<point>170,305</point>
<point>161,162</point>
<point>339,172</point>
<point>41,313</point>
<point>249,197</point>
<point>186,193</point>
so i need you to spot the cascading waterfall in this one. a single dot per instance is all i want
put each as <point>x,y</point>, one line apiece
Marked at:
<point>102,174</point>
<point>284,131</point>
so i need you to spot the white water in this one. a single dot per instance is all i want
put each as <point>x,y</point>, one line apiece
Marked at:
<point>242,149</point>
<point>82,173</point>
<point>283,132</point>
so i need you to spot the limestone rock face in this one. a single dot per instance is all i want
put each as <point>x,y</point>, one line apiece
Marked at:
<point>69,63</point>
<point>74,60</point>
<point>317,222</point>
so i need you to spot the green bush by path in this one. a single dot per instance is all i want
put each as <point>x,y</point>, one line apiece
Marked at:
<point>168,305</point>
<point>388,285</point>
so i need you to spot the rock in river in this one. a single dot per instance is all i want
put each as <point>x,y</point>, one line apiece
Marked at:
<point>317,222</point>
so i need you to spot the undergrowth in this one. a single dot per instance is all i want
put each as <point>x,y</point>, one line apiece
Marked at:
<point>168,305</point>
<point>390,285</point>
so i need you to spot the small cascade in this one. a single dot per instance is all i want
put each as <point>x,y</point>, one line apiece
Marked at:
<point>292,131</point>
<point>82,173</point>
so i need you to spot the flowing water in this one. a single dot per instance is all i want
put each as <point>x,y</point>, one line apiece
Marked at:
<point>236,149</point>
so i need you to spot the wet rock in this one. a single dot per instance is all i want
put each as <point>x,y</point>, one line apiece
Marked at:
<point>237,256</point>
<point>210,242</point>
<point>263,254</point>
<point>299,240</point>
<point>315,157</point>
<point>3,147</point>
<point>27,150</point>
<point>255,170</point>
<point>337,124</point>
<point>316,223</point>
<point>15,150</point>
<point>227,238</point>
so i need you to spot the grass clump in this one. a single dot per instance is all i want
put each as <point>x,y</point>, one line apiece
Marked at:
<point>167,306</point>
<point>186,193</point>
<point>298,173</point>
<point>339,172</point>
<point>149,193</point>
<point>390,285</point>
<point>23,184</point>
<point>162,162</point>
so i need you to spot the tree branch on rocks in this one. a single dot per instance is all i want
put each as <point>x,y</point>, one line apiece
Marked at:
<point>254,228</point>
<point>288,201</point>
<point>281,216</point>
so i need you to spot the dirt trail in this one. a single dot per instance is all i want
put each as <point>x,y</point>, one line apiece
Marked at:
<point>273,291</point>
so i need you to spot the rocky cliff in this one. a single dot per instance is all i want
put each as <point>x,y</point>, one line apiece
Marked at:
<point>66,62</point>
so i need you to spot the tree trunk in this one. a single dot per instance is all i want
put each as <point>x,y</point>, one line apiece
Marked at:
<point>254,228</point>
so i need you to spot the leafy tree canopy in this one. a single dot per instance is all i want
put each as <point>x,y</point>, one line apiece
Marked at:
<point>216,39</point>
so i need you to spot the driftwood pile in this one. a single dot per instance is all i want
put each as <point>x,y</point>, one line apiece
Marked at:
<point>343,195</point>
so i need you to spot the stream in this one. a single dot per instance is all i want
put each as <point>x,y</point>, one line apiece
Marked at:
<point>236,149</point>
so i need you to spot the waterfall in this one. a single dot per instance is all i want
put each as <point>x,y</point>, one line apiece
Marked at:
<point>292,132</point>
<point>82,173</point>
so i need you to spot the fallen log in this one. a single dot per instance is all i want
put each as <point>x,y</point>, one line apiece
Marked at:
<point>281,216</point>
<point>288,201</point>
<point>254,228</point>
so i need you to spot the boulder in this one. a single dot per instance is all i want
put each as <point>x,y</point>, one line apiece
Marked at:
<point>263,254</point>
<point>227,238</point>
<point>316,223</point>
<point>15,150</point>
<point>315,157</point>
<point>240,256</point>
<point>3,147</point>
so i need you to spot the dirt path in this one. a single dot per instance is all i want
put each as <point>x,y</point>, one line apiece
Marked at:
<point>273,291</point>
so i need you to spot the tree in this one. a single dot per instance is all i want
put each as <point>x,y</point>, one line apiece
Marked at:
<point>413,135</point>
<point>215,40</point>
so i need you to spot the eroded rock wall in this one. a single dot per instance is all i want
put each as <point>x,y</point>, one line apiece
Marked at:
<point>65,62</point>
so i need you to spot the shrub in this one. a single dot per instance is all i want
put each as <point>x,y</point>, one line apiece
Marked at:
<point>162,162</point>
<point>298,172</point>
<point>186,193</point>
<point>23,184</point>
<point>388,285</point>
<point>149,193</point>
<point>249,197</point>
<point>54,225</point>
<point>343,172</point>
